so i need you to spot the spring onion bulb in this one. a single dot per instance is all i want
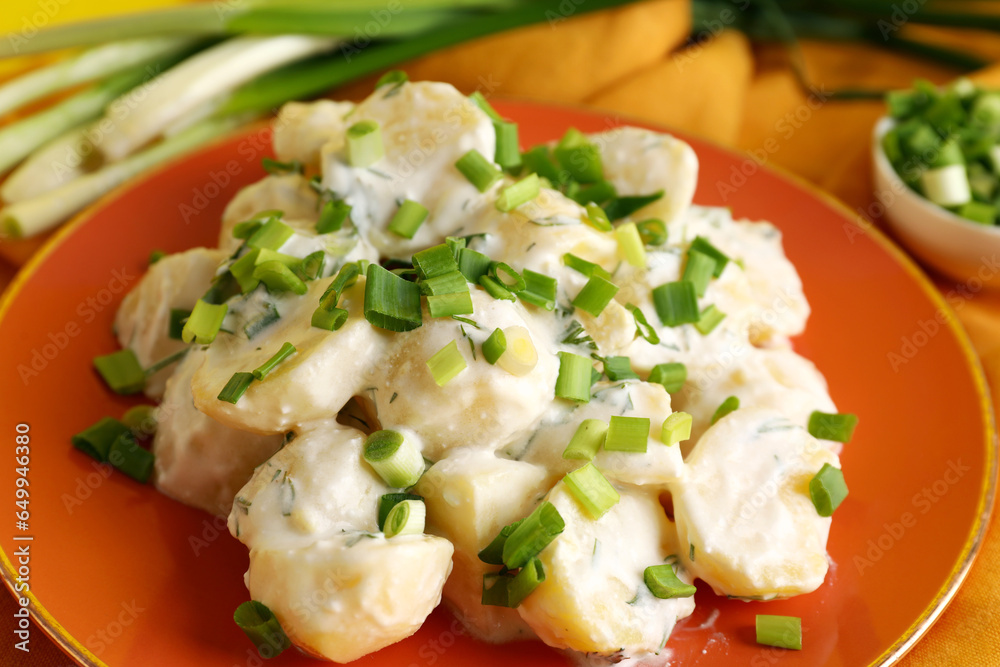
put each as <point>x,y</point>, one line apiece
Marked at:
<point>520,356</point>
<point>394,458</point>
<point>390,500</point>
<point>405,518</point>
<point>66,158</point>
<point>946,186</point>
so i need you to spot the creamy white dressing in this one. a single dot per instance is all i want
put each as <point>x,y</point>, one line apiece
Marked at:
<point>494,439</point>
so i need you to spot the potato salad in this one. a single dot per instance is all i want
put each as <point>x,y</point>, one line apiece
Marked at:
<point>426,365</point>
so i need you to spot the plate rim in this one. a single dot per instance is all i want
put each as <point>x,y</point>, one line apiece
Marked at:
<point>75,649</point>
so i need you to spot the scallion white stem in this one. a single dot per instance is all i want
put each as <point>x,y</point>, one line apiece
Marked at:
<point>55,164</point>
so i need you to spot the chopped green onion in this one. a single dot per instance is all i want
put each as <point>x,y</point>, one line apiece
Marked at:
<point>832,426</point>
<point>390,500</point>
<point>508,153</point>
<point>435,261</point>
<point>395,76</point>
<point>710,318</point>
<point>595,295</point>
<point>731,404</point>
<point>580,157</point>
<point>597,218</point>
<point>642,326</point>
<point>455,243</point>
<point>130,458</point>
<point>780,631</point>
<point>311,266</point>
<point>630,244</point>
<point>672,376</point>
<point>166,361</point>
<point>587,441</point>
<point>446,305</point>
<point>347,276</point>
<point>261,626</point>
<point>406,518</point>
<point>676,303</point>
<point>573,382</point>
<point>984,214</point>
<point>408,219</point>
<point>494,346</point>
<point>446,363</point>
<point>473,264</point>
<point>265,319</point>
<point>391,302</point>
<point>627,434</point>
<point>702,245</point>
<point>223,288</point>
<point>619,368</point>
<point>268,255</point>
<point>271,235</point>
<point>622,207</point>
<point>495,589</point>
<point>364,144</point>
<point>662,582</point>
<point>330,319</point>
<point>519,193</point>
<point>699,270</point>
<point>676,428</point>
<point>448,283</point>
<point>155,256</point>
<point>492,553</point>
<point>592,490</point>
<point>204,323</point>
<point>538,161</point>
<point>539,289</point>
<point>583,266</point>
<point>532,535</point>
<point>598,193</point>
<point>236,387</point>
<point>262,371</point>
<point>333,216</point>
<point>140,419</point>
<point>478,170</point>
<point>121,371</point>
<point>244,230</point>
<point>242,269</point>
<point>827,489</point>
<point>276,168</point>
<point>396,460</point>
<point>480,101</point>
<point>95,441</point>
<point>521,357</point>
<point>516,280</point>
<point>652,231</point>
<point>278,277</point>
<point>495,289</point>
<point>525,582</point>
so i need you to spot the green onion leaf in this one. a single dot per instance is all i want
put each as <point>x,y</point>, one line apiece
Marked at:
<point>495,289</point>
<point>455,243</point>
<point>391,302</point>
<point>662,582</point>
<point>702,245</point>
<point>710,318</point>
<point>311,266</point>
<point>652,232</point>
<point>204,323</point>
<point>595,295</point>
<point>480,101</point>
<point>519,193</point>
<point>276,168</point>
<point>223,288</point>
<point>827,489</point>
<point>473,264</point>
<point>525,582</point>
<point>262,321</point>
<point>676,428</point>
<point>492,554</point>
<point>508,153</point>
<point>478,170</point>
<point>780,631</point>
<point>408,219</point>
<point>627,434</point>
<point>538,161</point>
<point>271,235</point>
<point>580,157</point>
<point>448,283</point>
<point>583,266</point>
<point>242,270</point>
<point>155,256</point>
<point>676,303</point>
<point>406,518</point>
<point>261,626</point>
<point>574,378</point>
<point>619,368</point>
<point>244,230</point>
<point>832,426</point>
<point>236,387</point>
<point>642,326</point>
<point>671,375</point>
<point>587,441</point>
<point>731,404</point>
<point>592,490</point>
<point>598,193</point>
<point>262,371</point>
<point>333,216</point>
<point>597,218</point>
<point>390,500</point>
<point>533,534</point>
<point>435,261</point>
<point>331,319</point>
<point>446,363</point>
<point>121,371</point>
<point>494,346</point>
<point>539,289</point>
<point>699,270</point>
<point>495,589</point>
<point>141,420</point>
<point>364,144</point>
<point>130,458</point>
<point>278,277</point>
<point>395,76</point>
<point>515,281</point>
<point>95,441</point>
<point>630,244</point>
<point>396,460</point>
<point>622,207</point>
<point>446,305</point>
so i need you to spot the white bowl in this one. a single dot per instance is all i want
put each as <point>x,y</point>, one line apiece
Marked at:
<point>962,250</point>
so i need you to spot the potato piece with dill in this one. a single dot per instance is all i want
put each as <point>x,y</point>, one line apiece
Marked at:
<point>199,461</point>
<point>143,321</point>
<point>302,129</point>
<point>594,598</point>
<point>290,194</point>
<point>753,533</point>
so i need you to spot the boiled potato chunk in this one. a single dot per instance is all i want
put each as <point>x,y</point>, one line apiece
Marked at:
<point>744,507</point>
<point>288,193</point>
<point>594,599</point>
<point>347,596</point>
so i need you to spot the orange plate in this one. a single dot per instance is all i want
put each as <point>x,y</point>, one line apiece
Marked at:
<point>124,576</point>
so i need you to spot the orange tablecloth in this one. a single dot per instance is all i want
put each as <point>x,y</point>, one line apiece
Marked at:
<point>633,61</point>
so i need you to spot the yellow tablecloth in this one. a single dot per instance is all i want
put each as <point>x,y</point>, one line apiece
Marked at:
<point>634,61</point>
